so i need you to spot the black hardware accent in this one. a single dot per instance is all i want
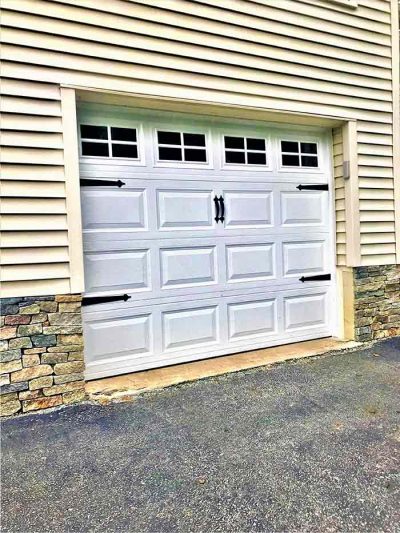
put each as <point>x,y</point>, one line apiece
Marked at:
<point>316,187</point>
<point>91,300</point>
<point>216,209</point>
<point>86,182</point>
<point>318,277</point>
<point>222,217</point>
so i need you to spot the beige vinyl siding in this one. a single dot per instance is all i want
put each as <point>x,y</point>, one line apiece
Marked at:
<point>331,61</point>
<point>35,248</point>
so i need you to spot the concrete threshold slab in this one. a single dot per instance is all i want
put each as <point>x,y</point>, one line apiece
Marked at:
<point>125,387</point>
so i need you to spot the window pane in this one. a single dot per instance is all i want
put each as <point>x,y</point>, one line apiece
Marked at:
<point>194,139</point>
<point>123,134</point>
<point>254,158</point>
<point>94,132</point>
<point>192,154</point>
<point>235,157</point>
<point>289,146</point>
<point>95,149</point>
<point>308,148</point>
<point>309,161</point>
<point>255,144</point>
<point>169,154</point>
<point>169,137</point>
<point>290,160</point>
<point>124,150</point>
<point>234,142</point>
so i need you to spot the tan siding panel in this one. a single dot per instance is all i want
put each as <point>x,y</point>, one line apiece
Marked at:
<point>33,222</point>
<point>32,139</point>
<point>33,205</point>
<point>32,189</point>
<point>35,288</point>
<point>320,68</point>
<point>35,156</point>
<point>32,172</point>
<point>13,121</point>
<point>30,106</point>
<point>28,256</point>
<point>27,239</point>
<point>30,89</point>
<point>34,272</point>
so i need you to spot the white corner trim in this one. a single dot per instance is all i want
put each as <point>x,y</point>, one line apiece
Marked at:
<point>396,120</point>
<point>72,190</point>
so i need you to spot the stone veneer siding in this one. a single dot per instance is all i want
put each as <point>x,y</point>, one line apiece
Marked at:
<point>41,353</point>
<point>376,302</point>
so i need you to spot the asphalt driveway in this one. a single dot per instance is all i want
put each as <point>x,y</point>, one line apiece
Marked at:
<point>312,445</point>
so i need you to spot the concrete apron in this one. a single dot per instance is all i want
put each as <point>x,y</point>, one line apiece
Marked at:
<point>126,387</point>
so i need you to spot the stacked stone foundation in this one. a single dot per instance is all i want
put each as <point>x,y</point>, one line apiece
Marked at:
<point>376,302</point>
<point>41,353</point>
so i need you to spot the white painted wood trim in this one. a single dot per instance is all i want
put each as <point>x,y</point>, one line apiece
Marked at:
<point>396,120</point>
<point>71,167</point>
<point>352,195</point>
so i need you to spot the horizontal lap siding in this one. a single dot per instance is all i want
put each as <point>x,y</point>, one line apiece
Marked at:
<point>331,60</point>
<point>34,237</point>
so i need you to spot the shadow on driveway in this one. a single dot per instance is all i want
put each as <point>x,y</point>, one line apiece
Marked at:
<point>312,445</point>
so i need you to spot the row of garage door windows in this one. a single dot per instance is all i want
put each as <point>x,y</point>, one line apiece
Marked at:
<point>176,146</point>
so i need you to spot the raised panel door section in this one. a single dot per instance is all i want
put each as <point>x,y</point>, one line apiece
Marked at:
<point>304,208</point>
<point>108,271</point>
<point>304,257</point>
<point>249,262</point>
<point>250,319</point>
<point>118,337</point>
<point>305,311</point>
<point>186,267</point>
<point>185,209</point>
<point>186,328</point>
<point>120,209</point>
<point>248,209</point>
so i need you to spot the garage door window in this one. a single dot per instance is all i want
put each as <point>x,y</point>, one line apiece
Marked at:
<point>180,146</point>
<point>245,151</point>
<point>109,141</point>
<point>299,154</point>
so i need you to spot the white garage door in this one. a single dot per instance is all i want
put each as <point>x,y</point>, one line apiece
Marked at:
<point>201,238</point>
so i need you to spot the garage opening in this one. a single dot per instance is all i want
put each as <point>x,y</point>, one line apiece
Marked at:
<point>202,237</point>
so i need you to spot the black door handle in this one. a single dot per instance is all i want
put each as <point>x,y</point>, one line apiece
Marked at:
<point>222,217</point>
<point>216,209</point>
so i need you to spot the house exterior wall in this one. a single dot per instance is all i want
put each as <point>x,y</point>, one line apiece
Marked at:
<point>314,62</point>
<point>279,56</point>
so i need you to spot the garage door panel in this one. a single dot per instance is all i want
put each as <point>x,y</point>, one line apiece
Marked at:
<point>188,267</point>
<point>184,209</point>
<point>304,258</point>
<point>186,328</point>
<point>250,319</point>
<point>245,209</point>
<point>250,262</point>
<point>120,270</point>
<point>304,208</point>
<point>114,209</point>
<point>113,338</point>
<point>305,311</point>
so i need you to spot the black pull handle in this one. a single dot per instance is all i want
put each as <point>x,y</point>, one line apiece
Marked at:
<point>318,277</point>
<point>222,217</point>
<point>88,182</point>
<point>92,300</point>
<point>216,209</point>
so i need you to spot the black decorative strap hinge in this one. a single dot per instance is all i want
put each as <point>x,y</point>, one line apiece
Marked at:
<point>92,300</point>
<point>314,187</point>
<point>89,182</point>
<point>318,277</point>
